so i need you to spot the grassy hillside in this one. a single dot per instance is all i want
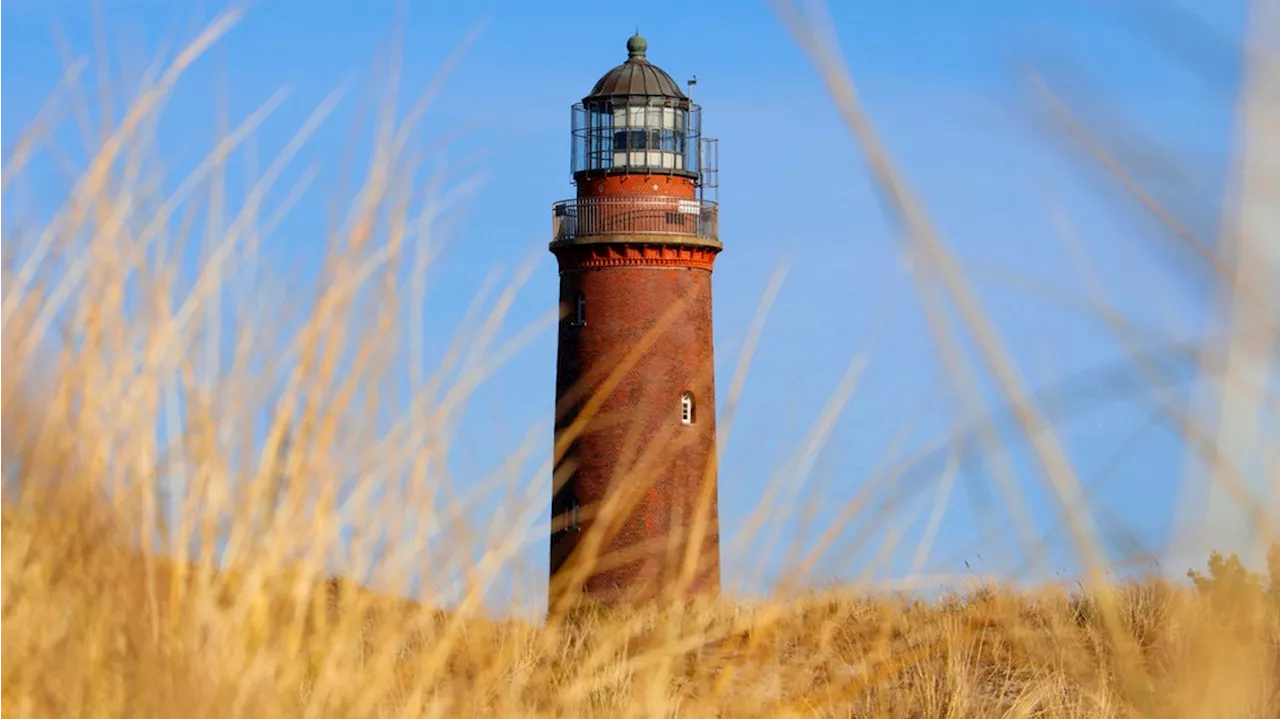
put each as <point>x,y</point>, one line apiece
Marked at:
<point>93,630</point>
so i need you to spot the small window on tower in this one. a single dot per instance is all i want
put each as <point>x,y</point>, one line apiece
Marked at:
<point>686,408</point>
<point>573,312</point>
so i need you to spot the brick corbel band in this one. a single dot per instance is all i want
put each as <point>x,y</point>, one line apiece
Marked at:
<point>586,257</point>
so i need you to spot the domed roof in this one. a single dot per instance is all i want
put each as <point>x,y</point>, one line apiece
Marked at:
<point>636,76</point>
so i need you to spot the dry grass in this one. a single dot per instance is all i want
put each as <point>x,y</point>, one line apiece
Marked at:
<point>133,421</point>
<point>90,634</point>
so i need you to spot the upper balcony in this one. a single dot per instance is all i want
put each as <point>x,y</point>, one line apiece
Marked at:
<point>635,215</point>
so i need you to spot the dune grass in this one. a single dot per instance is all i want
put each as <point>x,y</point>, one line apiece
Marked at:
<point>174,497</point>
<point>92,631</point>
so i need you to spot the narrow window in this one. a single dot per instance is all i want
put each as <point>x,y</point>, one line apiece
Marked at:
<point>573,517</point>
<point>575,312</point>
<point>686,408</point>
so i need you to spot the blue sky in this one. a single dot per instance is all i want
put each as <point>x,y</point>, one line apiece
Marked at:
<point>947,85</point>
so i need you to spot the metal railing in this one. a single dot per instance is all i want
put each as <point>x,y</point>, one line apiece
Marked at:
<point>635,215</point>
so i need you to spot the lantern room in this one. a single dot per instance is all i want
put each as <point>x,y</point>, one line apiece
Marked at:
<point>636,119</point>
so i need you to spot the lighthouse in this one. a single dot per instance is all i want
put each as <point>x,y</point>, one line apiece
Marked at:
<point>635,506</point>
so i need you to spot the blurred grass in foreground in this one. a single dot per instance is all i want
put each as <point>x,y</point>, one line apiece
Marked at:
<point>115,390</point>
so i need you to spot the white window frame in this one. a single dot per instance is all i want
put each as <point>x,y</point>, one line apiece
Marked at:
<point>687,409</point>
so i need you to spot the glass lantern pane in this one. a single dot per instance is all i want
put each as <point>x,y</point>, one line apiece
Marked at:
<point>653,117</point>
<point>620,117</point>
<point>635,117</point>
<point>668,118</point>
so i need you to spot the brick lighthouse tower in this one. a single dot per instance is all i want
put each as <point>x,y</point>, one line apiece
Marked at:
<point>634,514</point>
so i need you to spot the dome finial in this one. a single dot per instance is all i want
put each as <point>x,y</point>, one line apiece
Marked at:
<point>636,46</point>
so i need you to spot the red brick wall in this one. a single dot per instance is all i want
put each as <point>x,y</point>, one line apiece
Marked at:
<point>677,186</point>
<point>628,290</point>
